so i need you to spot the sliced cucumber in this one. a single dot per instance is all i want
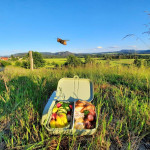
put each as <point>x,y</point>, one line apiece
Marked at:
<point>63,111</point>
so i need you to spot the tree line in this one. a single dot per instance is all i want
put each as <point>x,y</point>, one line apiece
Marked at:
<point>75,61</point>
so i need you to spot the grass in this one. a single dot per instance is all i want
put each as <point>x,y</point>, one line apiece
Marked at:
<point>56,60</point>
<point>50,62</point>
<point>121,96</point>
<point>114,62</point>
<point>59,61</point>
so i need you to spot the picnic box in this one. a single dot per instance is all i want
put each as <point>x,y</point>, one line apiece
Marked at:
<point>69,90</point>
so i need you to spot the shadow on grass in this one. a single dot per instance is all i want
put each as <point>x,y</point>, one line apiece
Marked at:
<point>23,105</point>
<point>25,90</point>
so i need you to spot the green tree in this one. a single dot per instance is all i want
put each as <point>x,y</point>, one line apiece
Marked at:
<point>88,59</point>
<point>73,61</point>
<point>107,57</point>
<point>4,63</point>
<point>25,64</point>
<point>137,62</point>
<point>13,58</point>
<point>147,62</point>
<point>38,60</point>
<point>17,63</point>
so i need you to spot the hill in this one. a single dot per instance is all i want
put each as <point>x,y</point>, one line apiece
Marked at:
<point>47,54</point>
<point>66,53</point>
<point>133,51</point>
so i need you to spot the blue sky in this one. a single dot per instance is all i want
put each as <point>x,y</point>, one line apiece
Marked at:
<point>90,25</point>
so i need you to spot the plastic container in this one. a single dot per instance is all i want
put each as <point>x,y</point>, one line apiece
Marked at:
<point>69,90</point>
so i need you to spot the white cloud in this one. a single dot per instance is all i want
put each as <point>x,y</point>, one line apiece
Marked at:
<point>133,46</point>
<point>114,46</point>
<point>99,47</point>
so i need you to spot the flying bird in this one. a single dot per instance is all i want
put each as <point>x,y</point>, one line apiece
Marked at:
<point>64,42</point>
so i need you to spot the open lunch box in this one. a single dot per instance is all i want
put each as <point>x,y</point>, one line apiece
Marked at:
<point>69,111</point>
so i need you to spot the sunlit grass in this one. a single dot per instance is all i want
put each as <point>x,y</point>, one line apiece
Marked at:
<point>121,96</point>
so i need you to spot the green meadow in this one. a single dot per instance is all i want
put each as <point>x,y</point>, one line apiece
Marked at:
<point>56,60</point>
<point>50,62</point>
<point>121,97</point>
<point>60,61</point>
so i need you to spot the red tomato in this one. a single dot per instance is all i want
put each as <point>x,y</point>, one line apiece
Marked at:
<point>90,117</point>
<point>54,116</point>
<point>58,105</point>
<point>70,106</point>
<point>87,124</point>
<point>92,112</point>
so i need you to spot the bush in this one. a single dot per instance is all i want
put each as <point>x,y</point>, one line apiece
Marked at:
<point>4,63</point>
<point>13,58</point>
<point>137,62</point>
<point>73,61</point>
<point>48,63</point>
<point>53,63</point>
<point>107,57</point>
<point>18,63</point>
<point>147,62</point>
<point>88,59</point>
<point>56,65</point>
<point>25,64</point>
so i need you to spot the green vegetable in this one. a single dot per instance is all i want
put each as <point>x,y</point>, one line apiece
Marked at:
<point>61,102</point>
<point>86,112</point>
<point>65,105</point>
<point>63,111</point>
<point>68,109</point>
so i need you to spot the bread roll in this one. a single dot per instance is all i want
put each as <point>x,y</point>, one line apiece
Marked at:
<point>78,108</point>
<point>88,108</point>
<point>77,102</point>
<point>78,115</point>
<point>80,103</point>
<point>88,103</point>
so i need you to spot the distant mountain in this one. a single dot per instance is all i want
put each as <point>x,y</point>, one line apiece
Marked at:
<point>127,51</point>
<point>63,54</point>
<point>144,52</point>
<point>19,54</point>
<point>46,54</point>
<point>132,51</point>
<point>66,53</point>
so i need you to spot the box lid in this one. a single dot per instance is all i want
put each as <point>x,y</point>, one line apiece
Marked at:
<point>73,89</point>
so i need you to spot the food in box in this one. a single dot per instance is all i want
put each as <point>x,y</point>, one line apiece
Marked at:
<point>77,94</point>
<point>84,115</point>
<point>61,115</point>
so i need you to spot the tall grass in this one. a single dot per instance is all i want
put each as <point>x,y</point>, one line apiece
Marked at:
<point>121,96</point>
